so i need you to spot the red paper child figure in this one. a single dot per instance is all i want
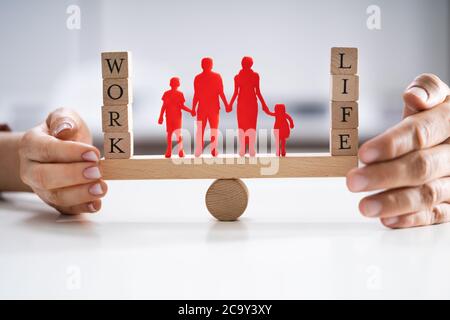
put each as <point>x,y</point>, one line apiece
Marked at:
<point>282,127</point>
<point>247,92</point>
<point>173,103</point>
<point>208,87</point>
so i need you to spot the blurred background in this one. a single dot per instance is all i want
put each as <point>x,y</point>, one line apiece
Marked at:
<point>48,61</point>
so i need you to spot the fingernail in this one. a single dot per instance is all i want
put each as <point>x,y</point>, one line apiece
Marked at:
<point>92,173</point>
<point>371,208</point>
<point>370,155</point>
<point>90,156</point>
<point>358,183</point>
<point>391,221</point>
<point>96,189</point>
<point>61,127</point>
<point>91,207</point>
<point>419,93</point>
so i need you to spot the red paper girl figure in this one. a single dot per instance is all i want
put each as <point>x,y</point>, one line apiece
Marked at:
<point>247,92</point>
<point>282,127</point>
<point>173,103</point>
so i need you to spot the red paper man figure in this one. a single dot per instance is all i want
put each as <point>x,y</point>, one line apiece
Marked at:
<point>208,87</point>
<point>282,127</point>
<point>173,103</point>
<point>246,90</point>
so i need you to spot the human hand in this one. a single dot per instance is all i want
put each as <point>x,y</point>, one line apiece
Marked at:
<point>160,120</point>
<point>410,162</point>
<point>193,113</point>
<point>59,163</point>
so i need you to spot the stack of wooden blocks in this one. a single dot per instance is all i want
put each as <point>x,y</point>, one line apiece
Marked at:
<point>117,104</point>
<point>344,102</point>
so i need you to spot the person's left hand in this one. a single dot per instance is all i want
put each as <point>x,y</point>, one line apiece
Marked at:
<point>410,162</point>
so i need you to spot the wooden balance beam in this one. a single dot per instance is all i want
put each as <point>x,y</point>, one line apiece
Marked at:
<point>294,165</point>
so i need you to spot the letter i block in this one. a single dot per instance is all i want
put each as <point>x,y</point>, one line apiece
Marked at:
<point>116,119</point>
<point>118,145</point>
<point>116,65</point>
<point>117,92</point>
<point>344,142</point>
<point>344,87</point>
<point>344,114</point>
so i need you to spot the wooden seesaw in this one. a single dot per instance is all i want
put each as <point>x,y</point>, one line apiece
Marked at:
<point>227,198</point>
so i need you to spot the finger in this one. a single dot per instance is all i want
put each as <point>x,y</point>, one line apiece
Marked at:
<point>439,214</point>
<point>75,195</point>
<point>413,169</point>
<point>38,145</point>
<point>419,131</point>
<point>89,207</point>
<point>49,176</point>
<point>66,124</point>
<point>405,200</point>
<point>425,92</point>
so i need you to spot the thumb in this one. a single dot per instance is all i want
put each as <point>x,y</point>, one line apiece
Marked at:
<point>425,92</point>
<point>66,124</point>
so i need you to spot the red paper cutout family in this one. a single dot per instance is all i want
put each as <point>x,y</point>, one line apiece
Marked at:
<point>208,88</point>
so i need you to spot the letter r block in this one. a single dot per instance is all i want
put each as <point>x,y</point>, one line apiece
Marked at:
<point>116,65</point>
<point>118,145</point>
<point>117,119</point>
<point>344,114</point>
<point>344,142</point>
<point>344,88</point>
<point>117,92</point>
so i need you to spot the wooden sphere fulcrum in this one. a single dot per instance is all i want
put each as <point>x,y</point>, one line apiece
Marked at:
<point>227,199</point>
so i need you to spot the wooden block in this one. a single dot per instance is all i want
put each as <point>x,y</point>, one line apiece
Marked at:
<point>344,88</point>
<point>117,92</point>
<point>344,115</point>
<point>116,65</point>
<point>344,142</point>
<point>227,199</point>
<point>118,145</point>
<point>293,165</point>
<point>344,61</point>
<point>117,119</point>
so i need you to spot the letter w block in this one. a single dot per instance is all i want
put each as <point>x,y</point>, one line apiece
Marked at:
<point>116,65</point>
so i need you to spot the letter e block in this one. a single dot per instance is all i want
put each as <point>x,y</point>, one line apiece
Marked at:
<point>344,61</point>
<point>344,142</point>
<point>344,88</point>
<point>344,115</point>
<point>116,119</point>
<point>118,145</point>
<point>116,65</point>
<point>117,92</point>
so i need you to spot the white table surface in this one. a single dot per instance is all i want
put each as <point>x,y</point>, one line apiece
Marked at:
<point>299,238</point>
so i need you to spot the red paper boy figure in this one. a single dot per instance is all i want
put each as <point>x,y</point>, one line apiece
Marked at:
<point>282,127</point>
<point>173,103</point>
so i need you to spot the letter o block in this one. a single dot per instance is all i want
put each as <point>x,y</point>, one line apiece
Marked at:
<point>116,92</point>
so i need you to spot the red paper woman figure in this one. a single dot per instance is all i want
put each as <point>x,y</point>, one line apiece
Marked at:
<point>247,92</point>
<point>282,128</point>
<point>173,103</point>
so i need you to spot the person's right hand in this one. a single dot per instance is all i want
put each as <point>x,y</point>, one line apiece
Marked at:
<point>160,121</point>
<point>410,162</point>
<point>59,163</point>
